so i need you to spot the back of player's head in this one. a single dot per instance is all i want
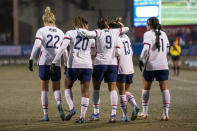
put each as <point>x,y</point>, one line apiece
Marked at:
<point>79,22</point>
<point>48,16</point>
<point>85,22</point>
<point>153,22</point>
<point>116,23</point>
<point>102,23</point>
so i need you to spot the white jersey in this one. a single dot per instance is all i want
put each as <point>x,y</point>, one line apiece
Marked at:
<point>125,58</point>
<point>65,57</point>
<point>49,40</point>
<point>106,44</point>
<point>80,50</point>
<point>155,58</point>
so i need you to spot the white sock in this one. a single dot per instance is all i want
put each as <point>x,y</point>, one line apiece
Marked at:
<point>44,101</point>
<point>145,100</point>
<point>166,101</point>
<point>69,98</point>
<point>58,98</point>
<point>84,106</point>
<point>114,101</point>
<point>123,104</point>
<point>131,99</point>
<point>96,101</point>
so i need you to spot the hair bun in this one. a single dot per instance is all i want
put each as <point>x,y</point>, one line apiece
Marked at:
<point>118,19</point>
<point>47,10</point>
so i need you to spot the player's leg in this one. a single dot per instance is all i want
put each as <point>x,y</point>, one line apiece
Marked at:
<point>131,100</point>
<point>96,99</point>
<point>84,101</point>
<point>163,83</point>
<point>84,77</point>
<point>44,74</point>
<point>130,97</point>
<point>113,99</point>
<point>44,98</point>
<point>97,77</point>
<point>70,77</point>
<point>123,100</point>
<point>166,98</point>
<point>148,77</point>
<point>56,77</point>
<point>111,78</point>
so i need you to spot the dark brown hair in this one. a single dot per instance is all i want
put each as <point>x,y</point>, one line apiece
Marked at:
<point>153,22</point>
<point>102,23</point>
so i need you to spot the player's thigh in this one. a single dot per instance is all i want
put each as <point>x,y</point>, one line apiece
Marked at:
<point>44,72</point>
<point>111,74</point>
<point>85,75</point>
<point>98,72</point>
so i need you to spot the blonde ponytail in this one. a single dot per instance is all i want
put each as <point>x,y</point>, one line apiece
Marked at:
<point>48,16</point>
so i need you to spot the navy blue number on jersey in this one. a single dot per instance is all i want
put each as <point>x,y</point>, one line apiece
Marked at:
<point>162,48</point>
<point>127,47</point>
<point>84,44</point>
<point>50,39</point>
<point>108,41</point>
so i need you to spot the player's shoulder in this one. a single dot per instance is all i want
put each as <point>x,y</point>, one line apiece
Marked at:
<point>59,30</point>
<point>70,32</point>
<point>163,33</point>
<point>41,29</point>
<point>148,33</point>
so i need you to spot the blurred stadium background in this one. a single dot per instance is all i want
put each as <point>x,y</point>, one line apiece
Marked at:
<point>19,89</point>
<point>20,20</point>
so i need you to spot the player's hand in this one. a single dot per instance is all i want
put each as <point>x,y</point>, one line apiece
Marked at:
<point>141,65</point>
<point>30,65</point>
<point>52,68</point>
<point>82,32</point>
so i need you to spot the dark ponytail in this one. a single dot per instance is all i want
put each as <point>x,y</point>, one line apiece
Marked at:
<point>158,33</point>
<point>153,22</point>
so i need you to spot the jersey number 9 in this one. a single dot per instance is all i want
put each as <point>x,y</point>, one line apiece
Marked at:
<point>108,41</point>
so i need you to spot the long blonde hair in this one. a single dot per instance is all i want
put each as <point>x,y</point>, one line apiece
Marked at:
<point>78,22</point>
<point>48,16</point>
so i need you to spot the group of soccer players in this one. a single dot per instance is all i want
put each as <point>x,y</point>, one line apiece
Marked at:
<point>112,62</point>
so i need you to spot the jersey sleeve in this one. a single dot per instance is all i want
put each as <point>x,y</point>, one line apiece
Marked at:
<point>37,45</point>
<point>65,57</point>
<point>63,47</point>
<point>145,52</point>
<point>93,47</point>
<point>68,36</point>
<point>147,39</point>
<point>39,35</point>
<point>118,47</point>
<point>87,33</point>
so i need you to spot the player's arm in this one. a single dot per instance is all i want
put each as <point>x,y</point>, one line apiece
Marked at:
<point>61,50</point>
<point>89,34</point>
<point>145,51</point>
<point>124,30</point>
<point>36,46</point>
<point>118,47</point>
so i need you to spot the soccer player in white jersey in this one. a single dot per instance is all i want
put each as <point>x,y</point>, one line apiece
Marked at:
<point>154,55</point>
<point>49,39</point>
<point>125,73</point>
<point>105,64</point>
<point>79,66</point>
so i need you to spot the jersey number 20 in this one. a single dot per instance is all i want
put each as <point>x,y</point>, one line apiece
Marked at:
<point>84,40</point>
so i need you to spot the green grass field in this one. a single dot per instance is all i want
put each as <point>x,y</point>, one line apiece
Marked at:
<point>20,106</point>
<point>177,13</point>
